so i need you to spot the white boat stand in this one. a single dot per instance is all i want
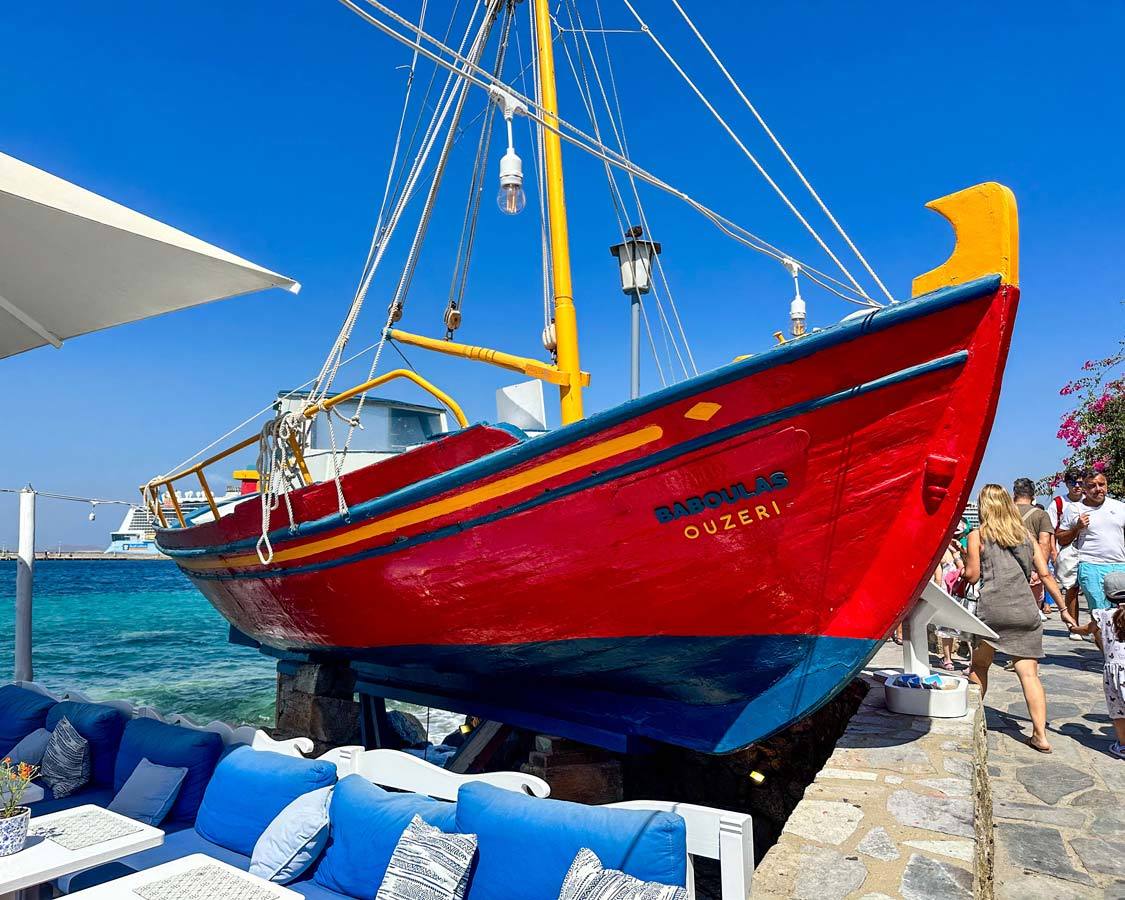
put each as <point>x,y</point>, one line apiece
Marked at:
<point>934,607</point>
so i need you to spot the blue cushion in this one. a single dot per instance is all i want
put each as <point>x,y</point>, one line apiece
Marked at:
<point>310,889</point>
<point>526,845</point>
<point>176,845</point>
<point>365,825</point>
<point>175,747</point>
<point>294,840</point>
<point>30,749</point>
<point>101,726</point>
<point>149,792</point>
<point>98,796</point>
<point>248,790</point>
<point>21,712</point>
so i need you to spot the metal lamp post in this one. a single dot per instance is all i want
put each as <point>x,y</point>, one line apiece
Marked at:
<point>634,260</point>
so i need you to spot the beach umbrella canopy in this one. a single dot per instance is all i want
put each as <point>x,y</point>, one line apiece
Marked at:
<point>72,262</point>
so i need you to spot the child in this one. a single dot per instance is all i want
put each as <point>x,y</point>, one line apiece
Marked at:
<point>1109,625</point>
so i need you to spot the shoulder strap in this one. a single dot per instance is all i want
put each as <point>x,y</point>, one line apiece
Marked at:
<point>1024,515</point>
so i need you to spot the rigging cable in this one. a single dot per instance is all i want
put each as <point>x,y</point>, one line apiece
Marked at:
<point>781,149</point>
<point>586,93</point>
<point>617,123</point>
<point>734,137</point>
<point>575,136</point>
<point>623,142</point>
<point>465,244</point>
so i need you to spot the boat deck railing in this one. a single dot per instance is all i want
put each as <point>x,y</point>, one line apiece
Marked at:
<point>150,491</point>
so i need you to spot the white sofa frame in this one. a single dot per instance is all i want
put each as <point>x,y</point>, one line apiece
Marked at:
<point>718,834</point>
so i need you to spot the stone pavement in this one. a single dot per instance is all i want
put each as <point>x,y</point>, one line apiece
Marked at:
<point>915,808</point>
<point>891,814</point>
<point>1059,818</point>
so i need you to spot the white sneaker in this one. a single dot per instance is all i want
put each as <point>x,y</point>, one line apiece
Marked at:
<point>1043,616</point>
<point>1075,637</point>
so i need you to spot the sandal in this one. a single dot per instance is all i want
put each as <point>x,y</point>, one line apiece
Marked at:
<point>948,666</point>
<point>1034,746</point>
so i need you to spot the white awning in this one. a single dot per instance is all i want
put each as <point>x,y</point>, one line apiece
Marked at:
<point>72,262</point>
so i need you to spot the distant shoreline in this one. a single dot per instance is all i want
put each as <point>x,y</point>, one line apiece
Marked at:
<point>85,555</point>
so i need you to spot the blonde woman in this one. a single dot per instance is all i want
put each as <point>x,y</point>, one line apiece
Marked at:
<point>1001,557</point>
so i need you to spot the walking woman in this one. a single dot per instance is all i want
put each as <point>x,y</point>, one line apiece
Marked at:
<point>1001,557</point>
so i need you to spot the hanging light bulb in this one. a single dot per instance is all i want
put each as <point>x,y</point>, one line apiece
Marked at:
<point>511,197</point>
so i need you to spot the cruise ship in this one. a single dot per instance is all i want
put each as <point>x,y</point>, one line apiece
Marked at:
<point>137,532</point>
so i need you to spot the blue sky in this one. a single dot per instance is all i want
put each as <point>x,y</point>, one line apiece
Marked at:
<point>266,128</point>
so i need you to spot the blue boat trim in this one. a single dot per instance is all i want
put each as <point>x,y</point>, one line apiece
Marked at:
<point>878,320</point>
<point>610,690</point>
<point>621,471</point>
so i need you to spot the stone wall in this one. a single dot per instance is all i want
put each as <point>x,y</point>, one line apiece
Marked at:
<point>317,700</point>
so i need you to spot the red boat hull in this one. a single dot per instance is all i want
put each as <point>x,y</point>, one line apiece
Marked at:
<point>701,566</point>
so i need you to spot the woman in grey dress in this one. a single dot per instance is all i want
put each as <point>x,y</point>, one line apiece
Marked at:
<point>1001,557</point>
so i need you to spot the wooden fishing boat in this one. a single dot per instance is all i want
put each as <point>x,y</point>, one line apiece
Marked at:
<point>701,566</point>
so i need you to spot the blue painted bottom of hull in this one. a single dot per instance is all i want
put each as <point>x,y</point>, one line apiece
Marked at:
<point>715,694</point>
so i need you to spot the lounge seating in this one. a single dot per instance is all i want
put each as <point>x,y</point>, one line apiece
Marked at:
<point>526,842</point>
<point>22,711</point>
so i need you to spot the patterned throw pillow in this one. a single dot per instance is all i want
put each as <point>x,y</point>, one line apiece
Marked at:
<point>66,761</point>
<point>589,880</point>
<point>428,864</point>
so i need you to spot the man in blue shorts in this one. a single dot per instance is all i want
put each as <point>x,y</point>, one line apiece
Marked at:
<point>1096,526</point>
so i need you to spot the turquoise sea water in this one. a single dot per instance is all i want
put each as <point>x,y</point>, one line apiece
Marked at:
<point>136,630</point>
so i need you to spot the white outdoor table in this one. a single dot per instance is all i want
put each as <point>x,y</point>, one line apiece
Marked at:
<point>123,888</point>
<point>42,860</point>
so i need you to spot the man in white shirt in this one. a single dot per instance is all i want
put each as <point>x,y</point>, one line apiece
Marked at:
<point>1096,527</point>
<point>1065,559</point>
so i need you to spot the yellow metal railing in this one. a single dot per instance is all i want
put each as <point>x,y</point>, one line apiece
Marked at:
<point>150,492</point>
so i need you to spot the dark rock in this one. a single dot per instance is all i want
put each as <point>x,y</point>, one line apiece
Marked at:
<point>928,879</point>
<point>1050,782</point>
<point>408,727</point>
<point>1038,849</point>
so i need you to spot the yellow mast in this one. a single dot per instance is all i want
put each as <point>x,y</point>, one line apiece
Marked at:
<point>566,321</point>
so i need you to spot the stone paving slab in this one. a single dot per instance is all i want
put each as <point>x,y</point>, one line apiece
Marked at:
<point>1060,818</point>
<point>911,808</point>
<point>889,816</point>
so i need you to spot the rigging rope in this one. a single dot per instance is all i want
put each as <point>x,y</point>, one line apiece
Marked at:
<point>586,94</point>
<point>781,149</point>
<point>617,123</point>
<point>461,93</point>
<point>465,244</point>
<point>575,136</point>
<point>746,150</point>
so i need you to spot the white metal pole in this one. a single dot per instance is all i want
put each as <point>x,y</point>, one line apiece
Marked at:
<point>635,345</point>
<point>24,568</point>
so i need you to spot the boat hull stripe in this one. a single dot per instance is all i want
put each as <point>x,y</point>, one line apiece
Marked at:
<point>877,320</point>
<point>624,470</point>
